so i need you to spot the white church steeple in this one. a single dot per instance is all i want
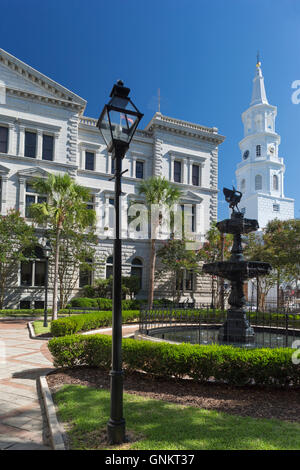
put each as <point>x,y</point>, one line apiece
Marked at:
<point>260,174</point>
<point>258,91</point>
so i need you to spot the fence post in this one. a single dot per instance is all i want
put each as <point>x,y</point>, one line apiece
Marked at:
<point>286,329</point>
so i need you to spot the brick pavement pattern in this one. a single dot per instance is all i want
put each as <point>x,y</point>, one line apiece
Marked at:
<point>22,361</point>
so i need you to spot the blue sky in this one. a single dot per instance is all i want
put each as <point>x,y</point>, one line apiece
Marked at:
<point>201,54</point>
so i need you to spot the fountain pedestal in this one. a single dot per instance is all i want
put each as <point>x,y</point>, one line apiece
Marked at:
<point>237,270</point>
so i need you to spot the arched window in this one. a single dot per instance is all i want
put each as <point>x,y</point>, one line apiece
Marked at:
<point>137,270</point>
<point>258,182</point>
<point>275,182</point>
<point>258,150</point>
<point>109,267</point>
<point>243,185</point>
<point>33,270</point>
<point>85,273</point>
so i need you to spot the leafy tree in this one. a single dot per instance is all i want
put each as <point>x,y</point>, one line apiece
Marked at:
<point>66,207</point>
<point>175,260</point>
<point>278,245</point>
<point>157,191</point>
<point>131,284</point>
<point>16,237</point>
<point>76,253</point>
<point>216,248</point>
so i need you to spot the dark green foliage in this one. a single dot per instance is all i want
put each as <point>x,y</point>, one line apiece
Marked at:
<point>272,367</point>
<point>106,304</point>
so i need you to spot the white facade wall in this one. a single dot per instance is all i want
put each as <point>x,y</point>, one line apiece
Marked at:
<point>33,102</point>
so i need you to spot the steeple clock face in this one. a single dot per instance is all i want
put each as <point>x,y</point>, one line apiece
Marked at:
<point>246,154</point>
<point>271,149</point>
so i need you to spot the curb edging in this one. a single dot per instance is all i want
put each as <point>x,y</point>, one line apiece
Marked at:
<point>56,432</point>
<point>31,330</point>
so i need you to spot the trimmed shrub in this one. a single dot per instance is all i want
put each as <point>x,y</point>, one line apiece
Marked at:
<point>235,366</point>
<point>106,304</point>
<point>88,321</point>
<point>22,312</point>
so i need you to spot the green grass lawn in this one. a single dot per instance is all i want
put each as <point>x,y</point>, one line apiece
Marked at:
<point>39,328</point>
<point>159,425</point>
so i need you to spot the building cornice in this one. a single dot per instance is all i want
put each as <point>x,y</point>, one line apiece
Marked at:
<point>15,92</point>
<point>189,129</point>
<point>60,93</point>
<point>255,107</point>
<point>257,164</point>
<point>272,135</point>
<point>51,164</point>
<point>90,124</point>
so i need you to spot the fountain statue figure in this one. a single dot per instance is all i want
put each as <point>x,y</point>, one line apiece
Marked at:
<point>237,270</point>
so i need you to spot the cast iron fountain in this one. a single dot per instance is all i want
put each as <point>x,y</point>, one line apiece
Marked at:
<point>237,270</point>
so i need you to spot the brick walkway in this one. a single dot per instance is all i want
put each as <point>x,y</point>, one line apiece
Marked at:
<point>22,361</point>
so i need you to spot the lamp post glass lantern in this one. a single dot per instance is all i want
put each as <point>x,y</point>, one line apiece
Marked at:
<point>117,123</point>
<point>119,118</point>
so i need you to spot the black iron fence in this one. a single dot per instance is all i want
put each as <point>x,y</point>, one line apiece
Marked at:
<point>201,326</point>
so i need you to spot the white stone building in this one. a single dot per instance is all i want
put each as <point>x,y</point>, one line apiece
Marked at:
<point>260,174</point>
<point>43,130</point>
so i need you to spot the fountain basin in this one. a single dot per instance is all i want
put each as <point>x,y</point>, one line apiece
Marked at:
<point>243,269</point>
<point>237,225</point>
<point>209,334</point>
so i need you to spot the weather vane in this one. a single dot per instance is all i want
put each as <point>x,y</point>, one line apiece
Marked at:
<point>258,63</point>
<point>233,197</point>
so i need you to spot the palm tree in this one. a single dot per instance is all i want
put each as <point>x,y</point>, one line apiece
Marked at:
<point>66,206</point>
<point>159,191</point>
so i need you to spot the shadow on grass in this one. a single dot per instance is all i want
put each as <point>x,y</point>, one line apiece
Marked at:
<point>168,426</point>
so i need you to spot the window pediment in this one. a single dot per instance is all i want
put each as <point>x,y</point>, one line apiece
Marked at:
<point>33,173</point>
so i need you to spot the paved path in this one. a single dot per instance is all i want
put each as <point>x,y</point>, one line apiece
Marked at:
<point>22,361</point>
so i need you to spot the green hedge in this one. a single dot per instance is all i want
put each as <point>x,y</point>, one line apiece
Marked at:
<point>106,304</point>
<point>227,364</point>
<point>22,312</point>
<point>88,321</point>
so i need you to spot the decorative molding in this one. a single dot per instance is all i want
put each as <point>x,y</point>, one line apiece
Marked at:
<point>36,172</point>
<point>61,95</point>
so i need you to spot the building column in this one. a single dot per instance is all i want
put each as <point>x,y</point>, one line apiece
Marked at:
<point>97,159</point>
<point>133,167</point>
<point>4,179</point>
<point>184,171</point>
<point>21,141</point>
<point>39,148</point>
<point>22,183</point>
<point>172,158</point>
<point>124,217</point>
<point>11,130</point>
<point>106,212</point>
<point>190,171</point>
<point>55,146</point>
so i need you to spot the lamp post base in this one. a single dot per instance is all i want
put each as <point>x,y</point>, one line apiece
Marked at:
<point>116,431</point>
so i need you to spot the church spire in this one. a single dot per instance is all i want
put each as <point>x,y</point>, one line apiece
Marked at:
<point>258,92</point>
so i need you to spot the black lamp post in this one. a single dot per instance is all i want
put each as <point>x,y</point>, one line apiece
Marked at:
<point>46,256</point>
<point>117,124</point>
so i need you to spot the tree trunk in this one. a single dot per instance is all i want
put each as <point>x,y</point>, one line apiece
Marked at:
<point>55,280</point>
<point>278,290</point>
<point>222,300</point>
<point>151,277</point>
